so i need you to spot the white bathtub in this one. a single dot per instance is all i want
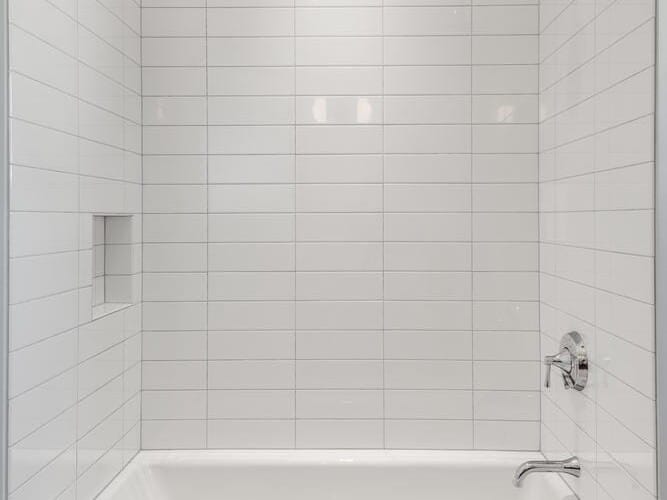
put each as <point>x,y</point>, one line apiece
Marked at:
<point>329,475</point>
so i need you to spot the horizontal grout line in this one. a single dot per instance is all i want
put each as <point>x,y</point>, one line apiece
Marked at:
<point>346,360</point>
<point>333,213</point>
<point>123,21</point>
<point>377,5</point>
<point>287,124</point>
<point>594,95</point>
<point>598,211</point>
<point>316,331</point>
<point>611,374</point>
<point>380,447</point>
<point>79,174</point>
<point>336,95</point>
<point>334,155</point>
<point>78,61</point>
<point>593,21</point>
<point>42,426</point>
<point>593,58</point>
<point>64,132</point>
<point>340,300</point>
<point>79,99</point>
<point>344,419</point>
<point>103,6</point>
<point>595,287</point>
<point>73,327</point>
<point>292,389</point>
<point>93,33</point>
<point>568,3</point>
<point>596,327</point>
<point>328,389</point>
<point>339,271</point>
<point>378,389</point>
<point>105,418</point>
<point>568,38</point>
<point>344,331</point>
<point>355,212</point>
<point>334,183</point>
<point>321,242</point>
<point>358,243</point>
<point>71,447</point>
<point>57,293</point>
<point>606,250</point>
<point>596,133</point>
<point>375,66</point>
<point>338,65</point>
<point>69,408</point>
<point>318,155</point>
<point>556,180</point>
<point>339,212</point>
<point>337,242</point>
<point>335,36</point>
<point>109,450</point>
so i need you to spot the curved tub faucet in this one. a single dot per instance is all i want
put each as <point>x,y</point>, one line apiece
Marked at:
<point>569,466</point>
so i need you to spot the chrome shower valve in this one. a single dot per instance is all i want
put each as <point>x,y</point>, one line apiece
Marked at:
<point>571,360</point>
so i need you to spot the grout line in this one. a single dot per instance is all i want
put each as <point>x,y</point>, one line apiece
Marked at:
<point>208,224</point>
<point>78,263</point>
<point>539,222</point>
<point>353,66</point>
<point>592,59</point>
<point>79,25</point>
<point>75,59</point>
<point>346,389</point>
<point>383,222</point>
<point>296,337</point>
<point>143,245</point>
<point>472,237</point>
<point>363,36</point>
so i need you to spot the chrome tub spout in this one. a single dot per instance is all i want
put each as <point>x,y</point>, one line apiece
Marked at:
<point>569,466</point>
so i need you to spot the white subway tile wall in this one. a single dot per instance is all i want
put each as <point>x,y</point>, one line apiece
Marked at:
<point>596,210</point>
<point>339,227</point>
<point>74,406</point>
<point>341,224</point>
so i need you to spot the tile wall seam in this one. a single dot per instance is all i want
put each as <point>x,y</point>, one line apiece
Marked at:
<point>143,246</point>
<point>384,148</point>
<point>539,207</point>
<point>296,281</point>
<point>78,226</point>
<point>208,224</point>
<point>472,232</point>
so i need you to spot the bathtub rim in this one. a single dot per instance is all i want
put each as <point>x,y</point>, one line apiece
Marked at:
<point>325,457</point>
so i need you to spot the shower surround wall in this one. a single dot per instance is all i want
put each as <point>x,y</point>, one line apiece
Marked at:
<point>596,204</point>
<point>340,229</point>
<point>74,381</point>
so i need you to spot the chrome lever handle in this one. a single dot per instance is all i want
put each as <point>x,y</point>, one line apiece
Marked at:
<point>562,361</point>
<point>572,361</point>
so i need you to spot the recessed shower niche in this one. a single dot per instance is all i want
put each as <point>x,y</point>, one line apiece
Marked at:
<point>115,264</point>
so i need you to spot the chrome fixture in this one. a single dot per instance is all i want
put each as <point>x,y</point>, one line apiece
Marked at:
<point>572,361</point>
<point>569,466</point>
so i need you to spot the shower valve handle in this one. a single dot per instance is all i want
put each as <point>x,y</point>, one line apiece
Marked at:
<point>571,360</point>
<point>562,361</point>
